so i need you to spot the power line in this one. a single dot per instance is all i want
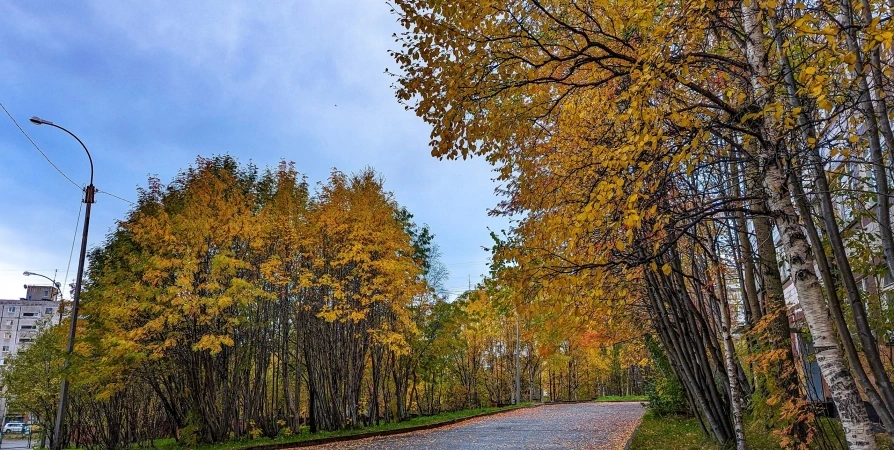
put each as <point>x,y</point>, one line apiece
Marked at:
<point>38,148</point>
<point>73,239</point>
<point>115,196</point>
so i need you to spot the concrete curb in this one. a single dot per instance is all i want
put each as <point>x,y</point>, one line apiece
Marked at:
<point>635,429</point>
<point>358,436</point>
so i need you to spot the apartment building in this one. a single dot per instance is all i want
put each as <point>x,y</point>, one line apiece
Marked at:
<point>20,321</point>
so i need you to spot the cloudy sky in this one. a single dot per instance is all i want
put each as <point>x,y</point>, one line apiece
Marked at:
<point>150,85</point>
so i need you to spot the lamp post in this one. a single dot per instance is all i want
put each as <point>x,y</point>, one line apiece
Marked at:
<point>56,284</point>
<point>517,362</point>
<point>88,199</point>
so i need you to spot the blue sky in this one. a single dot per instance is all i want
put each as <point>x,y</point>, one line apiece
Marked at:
<point>150,85</point>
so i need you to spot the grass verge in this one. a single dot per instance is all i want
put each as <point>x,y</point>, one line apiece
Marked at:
<point>684,433</point>
<point>304,437</point>
<point>622,398</point>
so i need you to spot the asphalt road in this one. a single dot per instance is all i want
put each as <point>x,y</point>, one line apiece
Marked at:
<point>9,443</point>
<point>602,426</point>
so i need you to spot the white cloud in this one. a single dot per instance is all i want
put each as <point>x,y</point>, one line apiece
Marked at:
<point>149,85</point>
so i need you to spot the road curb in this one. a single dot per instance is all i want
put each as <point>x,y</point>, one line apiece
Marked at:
<point>355,437</point>
<point>635,429</point>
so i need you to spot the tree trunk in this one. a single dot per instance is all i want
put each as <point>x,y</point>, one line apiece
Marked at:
<point>853,415</point>
<point>836,242</point>
<point>730,360</point>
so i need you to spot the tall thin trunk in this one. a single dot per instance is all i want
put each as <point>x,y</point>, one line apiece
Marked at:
<point>827,209</point>
<point>854,420</point>
<point>746,253</point>
<point>883,208</point>
<point>729,347</point>
<point>876,81</point>
<point>847,341</point>
<point>779,336</point>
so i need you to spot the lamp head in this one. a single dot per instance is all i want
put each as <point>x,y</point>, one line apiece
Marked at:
<point>26,273</point>
<point>38,121</point>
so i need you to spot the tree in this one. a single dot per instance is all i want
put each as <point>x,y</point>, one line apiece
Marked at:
<point>615,131</point>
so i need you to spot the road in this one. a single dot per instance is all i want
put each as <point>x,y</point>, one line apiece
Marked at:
<point>9,443</point>
<point>602,426</point>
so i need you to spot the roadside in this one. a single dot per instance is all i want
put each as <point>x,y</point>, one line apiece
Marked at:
<point>623,398</point>
<point>306,439</point>
<point>673,432</point>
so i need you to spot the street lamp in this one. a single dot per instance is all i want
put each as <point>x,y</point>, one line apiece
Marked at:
<point>57,294</point>
<point>55,283</point>
<point>88,199</point>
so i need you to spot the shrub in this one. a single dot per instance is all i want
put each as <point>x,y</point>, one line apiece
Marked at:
<point>666,395</point>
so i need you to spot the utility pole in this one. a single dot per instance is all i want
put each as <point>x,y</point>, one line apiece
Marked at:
<point>89,194</point>
<point>517,364</point>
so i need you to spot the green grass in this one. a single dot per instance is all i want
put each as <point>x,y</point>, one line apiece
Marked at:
<point>684,433</point>
<point>622,398</point>
<point>669,432</point>
<point>171,444</point>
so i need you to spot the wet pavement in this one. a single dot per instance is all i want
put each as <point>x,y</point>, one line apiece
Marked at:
<point>602,426</point>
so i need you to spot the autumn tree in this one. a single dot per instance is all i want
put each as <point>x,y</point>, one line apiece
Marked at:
<point>649,141</point>
<point>231,291</point>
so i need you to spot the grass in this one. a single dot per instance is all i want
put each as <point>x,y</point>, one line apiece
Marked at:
<point>622,398</point>
<point>171,444</point>
<point>669,432</point>
<point>684,433</point>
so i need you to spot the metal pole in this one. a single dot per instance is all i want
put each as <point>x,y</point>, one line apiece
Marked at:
<point>517,365</point>
<point>89,200</point>
<point>63,395</point>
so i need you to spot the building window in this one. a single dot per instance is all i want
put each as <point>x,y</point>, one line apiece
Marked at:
<point>7,335</point>
<point>2,361</point>
<point>11,309</point>
<point>31,314</point>
<point>8,322</point>
<point>28,327</point>
<point>5,348</point>
<point>48,311</point>
<point>25,341</point>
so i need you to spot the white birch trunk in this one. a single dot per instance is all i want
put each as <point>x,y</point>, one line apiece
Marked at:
<point>852,413</point>
<point>735,394</point>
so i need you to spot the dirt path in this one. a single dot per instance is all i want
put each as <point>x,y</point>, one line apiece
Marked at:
<point>603,426</point>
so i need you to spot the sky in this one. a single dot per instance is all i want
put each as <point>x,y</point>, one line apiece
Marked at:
<point>148,86</point>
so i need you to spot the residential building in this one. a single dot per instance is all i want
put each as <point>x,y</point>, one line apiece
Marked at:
<point>20,322</point>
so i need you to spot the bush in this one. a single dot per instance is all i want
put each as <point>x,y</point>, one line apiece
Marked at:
<point>666,395</point>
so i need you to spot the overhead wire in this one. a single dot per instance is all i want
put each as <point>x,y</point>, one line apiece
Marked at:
<point>38,148</point>
<point>73,239</point>
<point>14,121</point>
<point>115,196</point>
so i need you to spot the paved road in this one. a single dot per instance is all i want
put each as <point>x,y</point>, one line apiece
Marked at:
<point>602,426</point>
<point>9,443</point>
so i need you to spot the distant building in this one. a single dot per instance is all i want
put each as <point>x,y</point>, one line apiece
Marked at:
<point>20,321</point>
